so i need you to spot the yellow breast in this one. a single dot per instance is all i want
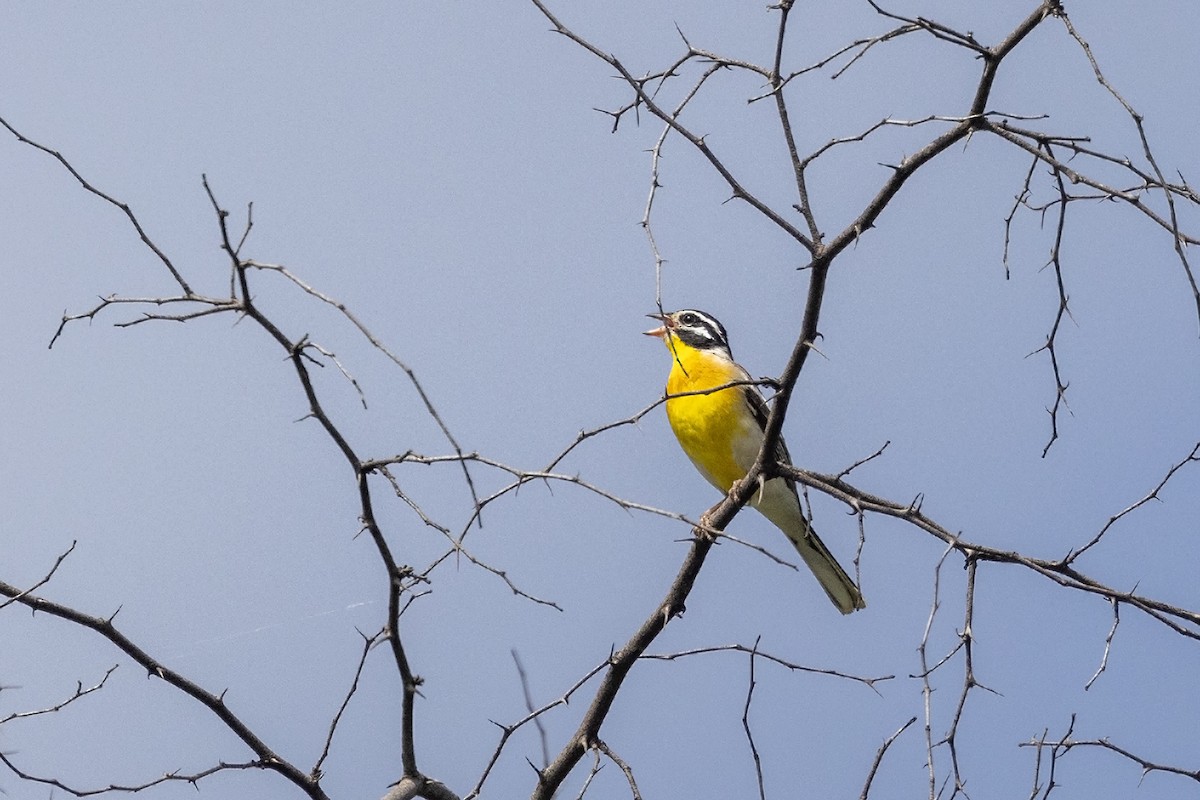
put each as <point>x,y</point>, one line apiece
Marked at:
<point>716,430</point>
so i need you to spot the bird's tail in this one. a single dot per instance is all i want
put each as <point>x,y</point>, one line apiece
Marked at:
<point>779,503</point>
<point>833,579</point>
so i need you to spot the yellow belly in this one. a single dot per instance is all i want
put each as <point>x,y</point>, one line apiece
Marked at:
<point>715,430</point>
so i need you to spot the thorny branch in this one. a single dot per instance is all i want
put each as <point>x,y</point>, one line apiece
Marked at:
<point>1180,620</point>
<point>1061,747</point>
<point>927,671</point>
<point>879,754</point>
<point>762,655</point>
<point>174,776</point>
<point>400,578</point>
<point>265,757</point>
<point>369,642</point>
<point>977,118</point>
<point>1060,388</point>
<point>80,692</point>
<point>1043,148</point>
<point>125,209</point>
<point>822,257</point>
<point>762,791</point>
<point>1191,458</point>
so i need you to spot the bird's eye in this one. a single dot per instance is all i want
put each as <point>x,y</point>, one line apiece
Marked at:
<point>689,319</point>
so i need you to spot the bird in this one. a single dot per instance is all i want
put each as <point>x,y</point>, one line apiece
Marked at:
<point>722,431</point>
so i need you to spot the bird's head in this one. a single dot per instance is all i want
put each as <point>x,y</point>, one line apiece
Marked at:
<point>694,329</point>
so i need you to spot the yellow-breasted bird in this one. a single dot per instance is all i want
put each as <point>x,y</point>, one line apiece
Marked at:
<point>722,431</point>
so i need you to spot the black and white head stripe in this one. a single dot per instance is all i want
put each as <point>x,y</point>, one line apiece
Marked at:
<point>700,330</point>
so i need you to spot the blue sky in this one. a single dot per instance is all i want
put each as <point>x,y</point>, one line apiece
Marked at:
<point>441,169</point>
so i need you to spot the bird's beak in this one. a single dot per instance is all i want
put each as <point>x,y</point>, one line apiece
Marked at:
<point>660,331</point>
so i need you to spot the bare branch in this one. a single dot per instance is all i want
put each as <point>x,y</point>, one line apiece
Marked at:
<point>623,660</point>
<point>1060,390</point>
<point>790,665</point>
<point>508,730</point>
<point>1178,239</point>
<point>879,754</point>
<point>1064,745</point>
<point>378,345</point>
<point>17,598</point>
<point>174,776</point>
<point>80,692</point>
<point>125,209</point>
<point>1181,620</point>
<point>1108,640</point>
<point>369,642</point>
<point>697,141</point>
<point>935,29</point>
<point>625,768</point>
<point>208,306</point>
<point>927,671</point>
<point>1192,457</point>
<point>265,757</point>
<point>762,791</point>
<point>537,721</point>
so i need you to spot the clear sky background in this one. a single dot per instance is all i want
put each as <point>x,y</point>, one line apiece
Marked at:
<point>440,168</point>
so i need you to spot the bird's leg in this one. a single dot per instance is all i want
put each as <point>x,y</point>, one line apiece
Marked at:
<point>762,487</point>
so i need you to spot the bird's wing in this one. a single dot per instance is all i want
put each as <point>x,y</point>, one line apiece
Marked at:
<point>786,514</point>
<point>758,407</point>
